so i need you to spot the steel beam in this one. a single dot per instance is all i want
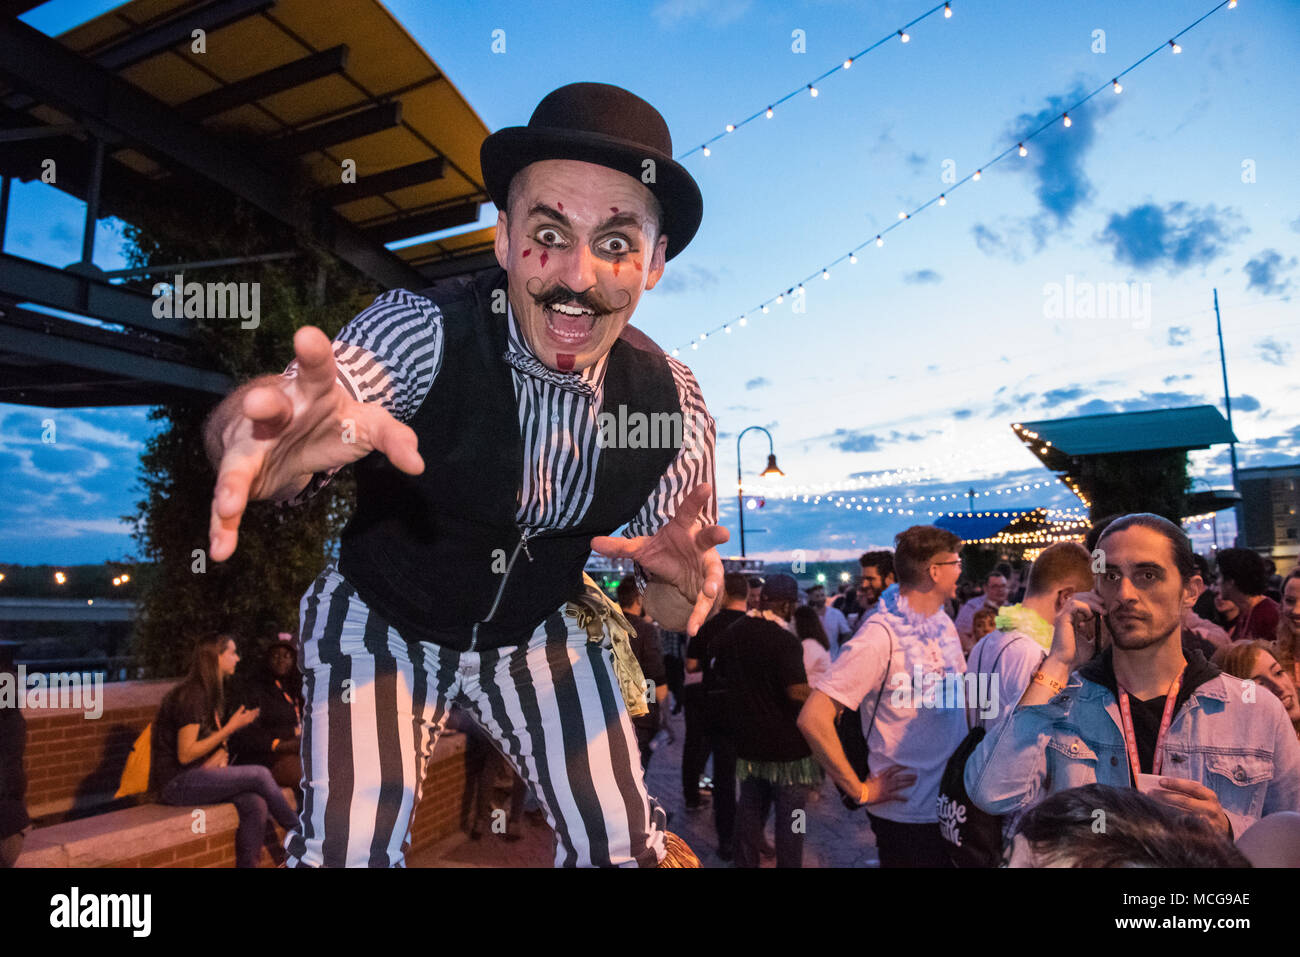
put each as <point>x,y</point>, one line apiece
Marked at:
<point>375,119</point>
<point>143,44</point>
<point>267,83</point>
<point>429,222</point>
<point>385,182</point>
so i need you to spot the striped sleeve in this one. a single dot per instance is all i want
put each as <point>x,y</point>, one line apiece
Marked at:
<point>389,353</point>
<point>693,466</point>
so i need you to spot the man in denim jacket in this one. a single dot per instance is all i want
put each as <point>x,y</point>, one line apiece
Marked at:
<point>1229,754</point>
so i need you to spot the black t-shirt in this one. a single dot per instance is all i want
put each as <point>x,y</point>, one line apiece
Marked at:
<point>699,647</point>
<point>649,655</point>
<point>184,704</point>
<point>757,660</point>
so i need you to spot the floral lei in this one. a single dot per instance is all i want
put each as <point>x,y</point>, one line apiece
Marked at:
<point>1027,622</point>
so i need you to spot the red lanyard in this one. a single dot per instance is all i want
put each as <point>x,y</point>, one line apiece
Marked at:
<point>1130,739</point>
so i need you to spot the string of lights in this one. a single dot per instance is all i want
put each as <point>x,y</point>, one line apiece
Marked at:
<point>811,87</point>
<point>941,199</point>
<point>794,492</point>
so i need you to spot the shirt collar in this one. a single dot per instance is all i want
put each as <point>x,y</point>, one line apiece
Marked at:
<point>521,356</point>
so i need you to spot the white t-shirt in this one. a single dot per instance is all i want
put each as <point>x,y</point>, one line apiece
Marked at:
<point>836,627</point>
<point>1017,657</point>
<point>919,739</point>
<point>816,661</point>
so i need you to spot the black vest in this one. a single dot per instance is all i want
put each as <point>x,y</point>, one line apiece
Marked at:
<point>439,556</point>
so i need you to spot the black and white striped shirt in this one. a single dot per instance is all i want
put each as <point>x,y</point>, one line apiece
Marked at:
<point>391,353</point>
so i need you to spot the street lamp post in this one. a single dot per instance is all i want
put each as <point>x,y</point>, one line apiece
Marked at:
<point>770,470</point>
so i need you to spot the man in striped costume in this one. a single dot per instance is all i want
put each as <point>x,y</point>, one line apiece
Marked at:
<point>499,426</point>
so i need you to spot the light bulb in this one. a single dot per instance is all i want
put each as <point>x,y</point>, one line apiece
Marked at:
<point>904,36</point>
<point>947,11</point>
<point>769,112</point>
<point>1116,86</point>
<point>1175,47</point>
<point>902,215</point>
<point>765,308</point>
<point>703,336</point>
<point>742,320</point>
<point>1065,118</point>
<point>826,274</point>
<point>978,174</point>
<point>731,127</point>
<point>853,259</point>
<point>674,352</point>
<point>780,298</point>
<point>812,89</point>
<point>943,200</point>
<point>848,63</point>
<point>695,345</point>
<point>880,241</point>
<point>706,151</point>
<point>1023,151</point>
<point>727,329</point>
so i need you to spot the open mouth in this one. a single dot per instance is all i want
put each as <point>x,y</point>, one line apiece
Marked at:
<point>568,324</point>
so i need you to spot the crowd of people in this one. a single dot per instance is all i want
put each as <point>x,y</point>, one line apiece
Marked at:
<point>976,720</point>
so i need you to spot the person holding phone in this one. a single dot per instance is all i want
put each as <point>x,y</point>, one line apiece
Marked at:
<point>190,758</point>
<point>1142,713</point>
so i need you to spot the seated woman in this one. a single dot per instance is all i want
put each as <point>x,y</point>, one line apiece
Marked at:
<point>189,763</point>
<point>1258,661</point>
<point>275,692</point>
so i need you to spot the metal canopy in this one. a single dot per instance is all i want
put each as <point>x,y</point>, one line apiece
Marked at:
<point>1057,441</point>
<point>324,114</point>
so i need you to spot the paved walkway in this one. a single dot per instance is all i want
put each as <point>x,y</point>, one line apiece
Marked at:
<point>835,836</point>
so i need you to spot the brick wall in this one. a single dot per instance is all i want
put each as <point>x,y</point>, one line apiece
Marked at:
<point>72,761</point>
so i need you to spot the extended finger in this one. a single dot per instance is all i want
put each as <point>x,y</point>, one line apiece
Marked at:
<point>1192,788</point>
<point>229,499</point>
<point>396,440</point>
<point>315,354</point>
<point>615,547</point>
<point>269,408</point>
<point>689,508</point>
<point>711,536</point>
<point>703,605</point>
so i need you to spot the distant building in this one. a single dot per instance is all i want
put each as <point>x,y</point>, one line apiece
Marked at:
<point>1270,499</point>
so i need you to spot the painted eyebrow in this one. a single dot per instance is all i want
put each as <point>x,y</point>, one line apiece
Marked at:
<point>618,219</point>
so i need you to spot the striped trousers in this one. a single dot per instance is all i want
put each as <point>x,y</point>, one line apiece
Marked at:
<point>376,705</point>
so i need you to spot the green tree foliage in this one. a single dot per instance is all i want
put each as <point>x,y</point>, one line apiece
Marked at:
<point>1126,482</point>
<point>256,592</point>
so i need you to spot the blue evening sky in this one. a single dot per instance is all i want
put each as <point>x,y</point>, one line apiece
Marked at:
<point>921,355</point>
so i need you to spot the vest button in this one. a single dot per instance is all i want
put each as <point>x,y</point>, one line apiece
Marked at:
<point>1074,748</point>
<point>555,417</point>
<point>1114,761</point>
<point>1239,774</point>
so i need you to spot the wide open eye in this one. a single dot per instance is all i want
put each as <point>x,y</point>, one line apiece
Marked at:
<point>616,245</point>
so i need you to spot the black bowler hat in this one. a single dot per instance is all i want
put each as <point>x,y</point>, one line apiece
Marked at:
<point>606,125</point>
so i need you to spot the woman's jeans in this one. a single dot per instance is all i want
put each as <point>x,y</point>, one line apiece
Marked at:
<point>252,790</point>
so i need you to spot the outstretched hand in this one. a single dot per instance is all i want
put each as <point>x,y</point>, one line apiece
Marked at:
<point>284,430</point>
<point>683,554</point>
